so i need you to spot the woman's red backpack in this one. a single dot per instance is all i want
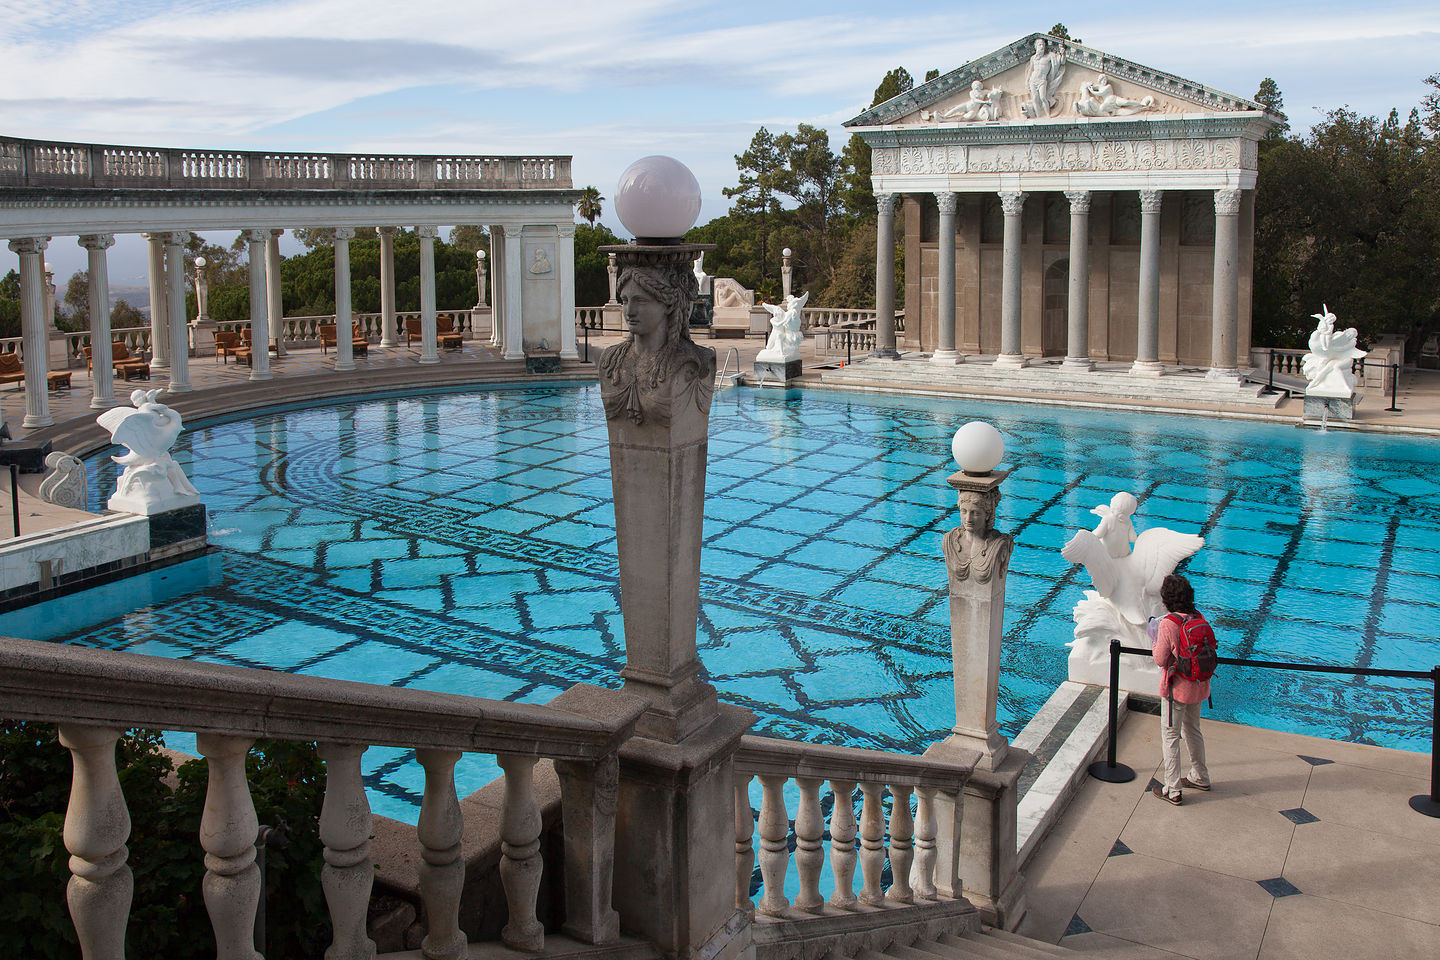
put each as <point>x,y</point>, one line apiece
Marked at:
<point>1195,656</point>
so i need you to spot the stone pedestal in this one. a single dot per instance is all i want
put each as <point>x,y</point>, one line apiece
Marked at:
<point>57,352</point>
<point>766,370</point>
<point>1333,408</point>
<point>202,334</point>
<point>612,316</point>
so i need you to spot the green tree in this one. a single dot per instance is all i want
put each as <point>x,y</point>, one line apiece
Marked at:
<point>931,75</point>
<point>470,237</point>
<point>1269,97</point>
<point>590,205</point>
<point>763,177</point>
<point>1060,33</point>
<point>893,84</point>
<point>10,305</point>
<point>592,280</point>
<point>815,184</point>
<point>77,300</point>
<point>123,315</point>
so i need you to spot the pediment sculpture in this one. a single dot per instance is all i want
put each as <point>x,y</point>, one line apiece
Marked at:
<point>1098,99</point>
<point>152,481</point>
<point>1127,591</point>
<point>1327,365</point>
<point>785,337</point>
<point>983,105</point>
<point>1047,70</point>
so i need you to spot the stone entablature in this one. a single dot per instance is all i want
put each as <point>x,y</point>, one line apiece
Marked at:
<point>1068,156</point>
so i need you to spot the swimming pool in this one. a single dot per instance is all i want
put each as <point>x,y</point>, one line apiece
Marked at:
<point>465,542</point>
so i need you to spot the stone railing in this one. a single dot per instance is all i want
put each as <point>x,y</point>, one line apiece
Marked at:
<point>137,340</point>
<point>913,842</point>
<point>305,331</point>
<point>37,163</point>
<point>95,695</point>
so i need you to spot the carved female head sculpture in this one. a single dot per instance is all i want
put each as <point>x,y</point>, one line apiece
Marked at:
<point>977,511</point>
<point>657,296</point>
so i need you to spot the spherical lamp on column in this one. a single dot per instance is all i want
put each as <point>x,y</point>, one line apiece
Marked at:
<point>978,448</point>
<point>657,199</point>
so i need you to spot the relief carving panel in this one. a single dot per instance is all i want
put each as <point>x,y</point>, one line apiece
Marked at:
<point>1121,155</point>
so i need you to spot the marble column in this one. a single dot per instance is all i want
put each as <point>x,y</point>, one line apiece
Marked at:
<point>514,275</point>
<point>428,351</point>
<point>274,302</point>
<point>389,335</point>
<point>175,310</point>
<point>565,274</point>
<point>102,372</point>
<point>1077,351</point>
<point>497,288</point>
<point>885,277</point>
<point>259,312</point>
<point>945,351</point>
<point>32,329</point>
<point>1012,202</point>
<point>1225,298</point>
<point>159,318</point>
<point>344,316</point>
<point>1147,335</point>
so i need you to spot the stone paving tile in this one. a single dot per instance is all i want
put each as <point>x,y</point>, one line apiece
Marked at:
<point>1240,839</point>
<point>1384,872</point>
<point>1307,927</point>
<point>1370,799</point>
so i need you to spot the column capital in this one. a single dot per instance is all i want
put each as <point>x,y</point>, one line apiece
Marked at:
<point>1012,201</point>
<point>567,230</point>
<point>34,245</point>
<point>948,201</point>
<point>885,202</point>
<point>1227,203</point>
<point>344,233</point>
<point>1079,200</point>
<point>253,236</point>
<point>97,241</point>
<point>174,238</point>
<point>511,230</point>
<point>427,233</point>
<point>277,232</point>
<point>1150,200</point>
<point>386,231</point>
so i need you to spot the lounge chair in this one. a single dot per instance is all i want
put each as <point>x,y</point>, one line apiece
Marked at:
<point>13,371</point>
<point>446,335</point>
<point>227,344</point>
<point>358,344</point>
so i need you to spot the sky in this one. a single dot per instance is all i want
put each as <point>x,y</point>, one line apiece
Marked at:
<point>609,82</point>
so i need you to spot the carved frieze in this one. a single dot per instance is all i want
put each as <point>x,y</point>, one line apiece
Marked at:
<point>1084,155</point>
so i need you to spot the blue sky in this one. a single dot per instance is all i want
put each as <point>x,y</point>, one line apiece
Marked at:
<point>608,82</point>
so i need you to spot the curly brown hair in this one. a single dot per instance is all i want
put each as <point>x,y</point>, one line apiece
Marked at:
<point>1177,594</point>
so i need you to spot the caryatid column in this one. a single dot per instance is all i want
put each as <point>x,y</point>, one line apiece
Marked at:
<point>274,302</point>
<point>389,336</point>
<point>513,338</point>
<point>1225,298</point>
<point>259,311</point>
<point>427,235</point>
<point>565,274</point>
<point>102,372</point>
<point>1147,335</point>
<point>175,310</point>
<point>32,328</point>
<point>344,316</point>
<point>945,351</point>
<point>1077,352</point>
<point>1012,202</point>
<point>885,277</point>
<point>159,316</point>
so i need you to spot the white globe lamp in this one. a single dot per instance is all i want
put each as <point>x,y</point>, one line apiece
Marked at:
<point>785,252</point>
<point>978,448</point>
<point>200,261</point>
<point>657,199</point>
<point>480,255</point>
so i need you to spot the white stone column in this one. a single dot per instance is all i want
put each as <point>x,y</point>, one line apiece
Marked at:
<point>388,334</point>
<point>259,322</point>
<point>565,274</point>
<point>175,310</point>
<point>274,303</point>
<point>945,351</point>
<point>885,277</point>
<point>497,288</point>
<point>32,329</point>
<point>1012,203</point>
<point>1225,297</point>
<point>344,316</point>
<point>159,317</point>
<point>1147,335</point>
<point>102,372</point>
<point>428,352</point>
<point>1077,351</point>
<point>514,266</point>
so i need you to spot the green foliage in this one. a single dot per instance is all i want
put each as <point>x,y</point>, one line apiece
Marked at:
<point>10,305</point>
<point>893,84</point>
<point>1269,97</point>
<point>308,279</point>
<point>592,280</point>
<point>590,206</point>
<point>168,917</point>
<point>1060,33</point>
<point>77,299</point>
<point>931,75</point>
<point>470,237</point>
<point>123,315</point>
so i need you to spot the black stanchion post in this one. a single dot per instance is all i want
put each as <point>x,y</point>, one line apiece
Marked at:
<point>1421,803</point>
<point>15,497</point>
<point>587,341</point>
<point>1394,388</point>
<point>1272,369</point>
<point>1109,770</point>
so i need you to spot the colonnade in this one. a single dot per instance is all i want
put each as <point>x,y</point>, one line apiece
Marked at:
<point>1224,303</point>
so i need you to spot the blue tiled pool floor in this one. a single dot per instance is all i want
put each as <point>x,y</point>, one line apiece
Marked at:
<point>465,542</point>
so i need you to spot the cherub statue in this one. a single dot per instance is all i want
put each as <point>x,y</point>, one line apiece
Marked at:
<point>1098,99</point>
<point>152,482</point>
<point>1127,591</point>
<point>785,337</point>
<point>1327,365</point>
<point>1047,69</point>
<point>975,548</point>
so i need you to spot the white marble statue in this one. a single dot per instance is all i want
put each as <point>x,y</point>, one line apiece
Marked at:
<point>729,293</point>
<point>1047,69</point>
<point>1327,365</point>
<point>1126,595</point>
<point>65,484</point>
<point>785,337</point>
<point>152,482</point>
<point>1098,99</point>
<point>982,105</point>
<point>202,291</point>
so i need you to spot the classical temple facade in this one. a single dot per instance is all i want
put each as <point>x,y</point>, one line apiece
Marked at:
<point>1058,201</point>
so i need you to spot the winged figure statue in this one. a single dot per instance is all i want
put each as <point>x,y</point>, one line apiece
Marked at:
<point>152,481</point>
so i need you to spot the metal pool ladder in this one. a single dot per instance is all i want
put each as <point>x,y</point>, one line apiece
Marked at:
<point>726,377</point>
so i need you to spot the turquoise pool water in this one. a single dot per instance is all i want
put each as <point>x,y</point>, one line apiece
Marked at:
<point>465,542</point>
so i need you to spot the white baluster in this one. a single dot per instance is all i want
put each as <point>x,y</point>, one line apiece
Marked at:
<point>520,865</point>
<point>809,857</point>
<point>744,844</point>
<point>228,828</point>
<point>774,846</point>
<point>842,844</point>
<point>442,873</point>
<point>348,873</point>
<point>922,874</point>
<point>97,824</point>
<point>902,831</point>
<point>872,844</point>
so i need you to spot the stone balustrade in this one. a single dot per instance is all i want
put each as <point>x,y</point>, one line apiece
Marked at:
<point>913,840</point>
<point>38,163</point>
<point>95,695</point>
